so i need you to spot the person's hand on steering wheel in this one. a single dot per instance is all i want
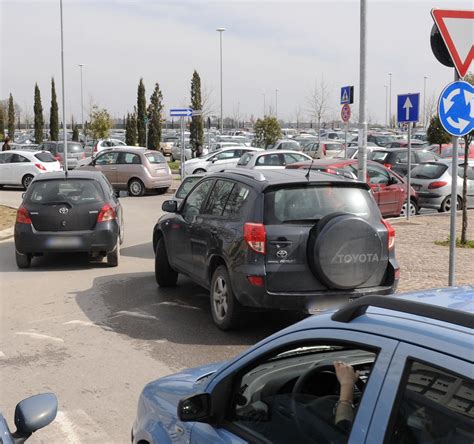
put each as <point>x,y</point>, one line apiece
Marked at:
<point>347,377</point>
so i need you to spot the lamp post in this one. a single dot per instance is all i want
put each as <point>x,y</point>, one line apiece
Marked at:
<point>390,100</point>
<point>386,106</point>
<point>220,31</point>
<point>424,102</point>
<point>62,81</point>
<point>81,65</point>
<point>264,104</point>
<point>276,103</point>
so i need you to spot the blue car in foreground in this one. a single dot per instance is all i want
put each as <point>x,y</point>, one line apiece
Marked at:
<point>413,354</point>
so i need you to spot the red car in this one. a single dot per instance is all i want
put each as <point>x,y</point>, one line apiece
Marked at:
<point>388,188</point>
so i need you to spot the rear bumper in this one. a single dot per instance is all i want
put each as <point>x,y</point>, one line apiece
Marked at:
<point>429,200</point>
<point>158,182</point>
<point>102,239</point>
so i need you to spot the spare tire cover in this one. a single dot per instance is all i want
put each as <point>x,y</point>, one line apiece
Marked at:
<point>344,251</point>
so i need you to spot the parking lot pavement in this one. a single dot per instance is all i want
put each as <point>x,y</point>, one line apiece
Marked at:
<point>96,335</point>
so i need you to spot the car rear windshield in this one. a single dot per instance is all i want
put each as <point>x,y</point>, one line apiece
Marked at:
<point>378,156</point>
<point>71,147</point>
<point>428,170</point>
<point>45,157</point>
<point>333,146</point>
<point>73,191</point>
<point>155,158</point>
<point>301,204</point>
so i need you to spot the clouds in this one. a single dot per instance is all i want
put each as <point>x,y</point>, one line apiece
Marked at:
<point>267,45</point>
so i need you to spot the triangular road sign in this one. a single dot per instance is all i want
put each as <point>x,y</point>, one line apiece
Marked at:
<point>457,30</point>
<point>345,97</point>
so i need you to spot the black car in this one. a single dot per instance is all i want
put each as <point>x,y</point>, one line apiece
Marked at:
<point>69,212</point>
<point>279,239</point>
<point>396,159</point>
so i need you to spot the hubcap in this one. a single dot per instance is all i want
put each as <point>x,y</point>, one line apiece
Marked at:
<point>220,298</point>
<point>136,188</point>
<point>412,209</point>
<point>27,181</point>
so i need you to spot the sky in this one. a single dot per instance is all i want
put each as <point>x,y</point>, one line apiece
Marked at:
<point>287,46</point>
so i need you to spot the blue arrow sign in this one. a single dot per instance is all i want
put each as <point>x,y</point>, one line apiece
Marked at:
<point>408,107</point>
<point>456,108</point>
<point>181,112</point>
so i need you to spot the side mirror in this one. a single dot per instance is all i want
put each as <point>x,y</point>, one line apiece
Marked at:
<point>195,408</point>
<point>170,206</point>
<point>34,413</point>
<point>392,181</point>
<point>23,195</point>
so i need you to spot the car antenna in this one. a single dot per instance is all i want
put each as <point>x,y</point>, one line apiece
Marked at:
<point>309,169</point>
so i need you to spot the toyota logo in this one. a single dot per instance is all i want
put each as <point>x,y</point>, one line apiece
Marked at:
<point>63,210</point>
<point>282,254</point>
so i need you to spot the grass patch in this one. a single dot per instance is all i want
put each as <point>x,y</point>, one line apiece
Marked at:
<point>174,166</point>
<point>445,243</point>
<point>7,217</point>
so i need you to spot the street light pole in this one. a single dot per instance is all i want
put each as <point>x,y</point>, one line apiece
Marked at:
<point>390,101</point>
<point>362,138</point>
<point>62,81</point>
<point>386,106</point>
<point>264,105</point>
<point>276,103</point>
<point>81,65</point>
<point>424,102</point>
<point>220,31</point>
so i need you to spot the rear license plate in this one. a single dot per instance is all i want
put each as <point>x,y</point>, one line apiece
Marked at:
<point>416,187</point>
<point>64,242</point>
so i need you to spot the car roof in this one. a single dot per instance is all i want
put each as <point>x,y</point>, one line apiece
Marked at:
<point>72,174</point>
<point>265,152</point>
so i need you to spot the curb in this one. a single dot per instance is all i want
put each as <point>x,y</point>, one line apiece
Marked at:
<point>6,234</point>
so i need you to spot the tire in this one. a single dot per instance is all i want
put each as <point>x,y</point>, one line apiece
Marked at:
<point>136,188</point>
<point>27,180</point>
<point>446,204</point>
<point>225,308</point>
<point>414,210</point>
<point>165,276</point>
<point>23,260</point>
<point>199,171</point>
<point>113,257</point>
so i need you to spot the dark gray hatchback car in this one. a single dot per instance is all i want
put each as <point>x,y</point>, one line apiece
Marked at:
<point>279,239</point>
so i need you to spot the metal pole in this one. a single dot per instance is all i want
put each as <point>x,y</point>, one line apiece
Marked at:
<point>82,102</point>
<point>390,101</point>
<point>221,30</point>
<point>183,151</point>
<point>454,200</point>
<point>345,141</point>
<point>146,134</point>
<point>409,171</point>
<point>424,102</point>
<point>386,106</point>
<point>362,137</point>
<point>276,103</point>
<point>62,81</point>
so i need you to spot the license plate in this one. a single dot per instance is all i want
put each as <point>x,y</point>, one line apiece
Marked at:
<point>64,242</point>
<point>416,187</point>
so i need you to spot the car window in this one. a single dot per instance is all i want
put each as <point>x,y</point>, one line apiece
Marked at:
<point>45,157</point>
<point>109,158</point>
<point>236,201</point>
<point>292,396</point>
<point>71,147</point>
<point>77,191</point>
<point>17,158</point>
<point>192,205</point>
<point>435,406</point>
<point>377,176</point>
<point>293,158</point>
<point>129,158</point>
<point>186,186</point>
<point>378,156</point>
<point>5,157</point>
<point>470,171</point>
<point>269,160</point>
<point>426,156</point>
<point>428,171</point>
<point>155,158</point>
<point>245,159</point>
<point>218,197</point>
<point>333,146</point>
<point>224,155</point>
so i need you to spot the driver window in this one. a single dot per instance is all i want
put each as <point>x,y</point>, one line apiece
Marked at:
<point>107,159</point>
<point>377,176</point>
<point>195,200</point>
<point>293,396</point>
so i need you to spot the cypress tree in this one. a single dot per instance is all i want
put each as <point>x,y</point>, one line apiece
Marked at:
<point>2,123</point>
<point>38,110</point>
<point>131,130</point>
<point>141,114</point>
<point>11,118</point>
<point>154,118</point>
<point>196,128</point>
<point>54,114</point>
<point>75,130</point>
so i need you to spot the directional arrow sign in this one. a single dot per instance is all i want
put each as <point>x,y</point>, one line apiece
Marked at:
<point>408,107</point>
<point>456,108</point>
<point>181,112</point>
<point>456,28</point>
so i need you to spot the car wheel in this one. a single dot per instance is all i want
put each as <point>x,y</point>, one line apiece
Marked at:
<point>225,308</point>
<point>446,204</point>
<point>114,256</point>
<point>136,188</point>
<point>23,260</point>
<point>199,171</point>
<point>413,209</point>
<point>165,276</point>
<point>26,181</point>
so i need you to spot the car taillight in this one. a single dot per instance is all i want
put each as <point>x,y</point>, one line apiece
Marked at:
<point>388,165</point>
<point>22,216</point>
<point>58,158</point>
<point>437,184</point>
<point>391,234</point>
<point>255,236</point>
<point>106,213</point>
<point>40,167</point>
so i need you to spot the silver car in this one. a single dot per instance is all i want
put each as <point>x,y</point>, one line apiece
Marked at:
<point>271,159</point>
<point>432,182</point>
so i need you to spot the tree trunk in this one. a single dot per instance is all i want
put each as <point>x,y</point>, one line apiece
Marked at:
<point>464,194</point>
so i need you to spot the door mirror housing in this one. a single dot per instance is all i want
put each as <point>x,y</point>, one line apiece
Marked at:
<point>170,206</point>
<point>392,181</point>
<point>195,408</point>
<point>34,413</point>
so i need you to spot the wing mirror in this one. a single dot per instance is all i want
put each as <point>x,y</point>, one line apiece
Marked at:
<point>34,413</point>
<point>170,206</point>
<point>392,181</point>
<point>195,408</point>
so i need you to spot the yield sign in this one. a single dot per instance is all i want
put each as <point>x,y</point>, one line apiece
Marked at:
<point>457,30</point>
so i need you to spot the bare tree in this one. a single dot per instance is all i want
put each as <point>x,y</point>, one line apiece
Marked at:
<point>236,114</point>
<point>298,116</point>
<point>207,104</point>
<point>318,102</point>
<point>431,108</point>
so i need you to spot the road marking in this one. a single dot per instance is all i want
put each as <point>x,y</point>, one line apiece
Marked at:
<point>39,336</point>
<point>135,314</point>
<point>161,341</point>
<point>87,324</point>
<point>177,304</point>
<point>67,427</point>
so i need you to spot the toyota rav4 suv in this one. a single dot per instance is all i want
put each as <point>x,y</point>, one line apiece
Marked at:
<point>283,239</point>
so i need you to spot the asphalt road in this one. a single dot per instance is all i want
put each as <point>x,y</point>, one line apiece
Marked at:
<point>96,335</point>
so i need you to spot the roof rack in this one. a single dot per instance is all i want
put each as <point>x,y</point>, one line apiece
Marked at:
<point>359,306</point>
<point>257,175</point>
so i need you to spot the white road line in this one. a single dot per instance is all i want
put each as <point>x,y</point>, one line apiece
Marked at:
<point>39,336</point>
<point>177,304</point>
<point>86,324</point>
<point>135,314</point>
<point>67,427</point>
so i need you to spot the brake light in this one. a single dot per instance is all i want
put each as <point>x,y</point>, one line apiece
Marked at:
<point>58,158</point>
<point>331,171</point>
<point>257,281</point>
<point>437,184</point>
<point>96,147</point>
<point>391,234</point>
<point>106,213</point>
<point>388,165</point>
<point>255,236</point>
<point>40,167</point>
<point>22,216</point>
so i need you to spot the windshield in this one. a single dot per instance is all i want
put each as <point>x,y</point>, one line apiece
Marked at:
<point>385,139</point>
<point>312,203</point>
<point>428,171</point>
<point>378,156</point>
<point>245,159</point>
<point>155,158</point>
<point>77,191</point>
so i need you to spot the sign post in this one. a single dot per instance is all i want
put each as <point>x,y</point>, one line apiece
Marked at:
<point>408,111</point>
<point>345,115</point>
